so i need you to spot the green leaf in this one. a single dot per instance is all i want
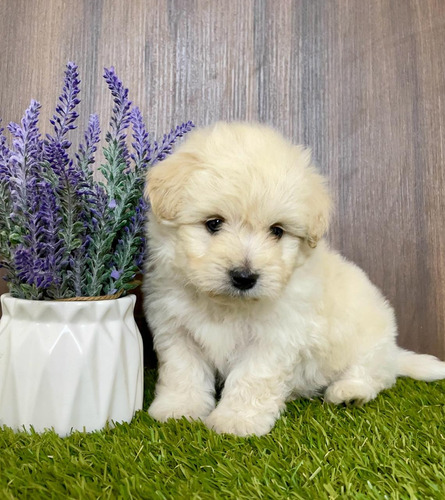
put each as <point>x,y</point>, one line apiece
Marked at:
<point>15,238</point>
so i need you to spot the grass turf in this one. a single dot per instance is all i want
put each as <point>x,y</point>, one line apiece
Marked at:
<point>393,447</point>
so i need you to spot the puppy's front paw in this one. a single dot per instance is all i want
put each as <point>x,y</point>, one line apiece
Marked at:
<point>239,422</point>
<point>167,406</point>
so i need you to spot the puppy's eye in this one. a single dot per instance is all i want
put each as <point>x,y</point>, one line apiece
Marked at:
<point>276,231</point>
<point>214,225</point>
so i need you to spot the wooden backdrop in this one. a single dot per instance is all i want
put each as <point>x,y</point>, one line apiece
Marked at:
<point>360,82</point>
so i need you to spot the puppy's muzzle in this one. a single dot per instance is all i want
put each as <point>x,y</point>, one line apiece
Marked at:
<point>243,279</point>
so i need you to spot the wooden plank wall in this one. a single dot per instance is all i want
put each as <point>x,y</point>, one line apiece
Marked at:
<point>360,82</point>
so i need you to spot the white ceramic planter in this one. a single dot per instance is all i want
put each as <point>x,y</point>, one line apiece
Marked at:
<point>69,365</point>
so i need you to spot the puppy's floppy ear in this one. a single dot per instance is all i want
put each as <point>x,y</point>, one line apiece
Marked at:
<point>319,207</point>
<point>165,184</point>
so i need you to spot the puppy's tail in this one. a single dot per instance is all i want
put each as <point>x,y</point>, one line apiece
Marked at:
<point>419,366</point>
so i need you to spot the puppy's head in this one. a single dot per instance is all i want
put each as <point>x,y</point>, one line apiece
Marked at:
<point>238,209</point>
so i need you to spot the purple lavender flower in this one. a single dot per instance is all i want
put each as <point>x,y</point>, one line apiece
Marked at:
<point>65,116</point>
<point>120,117</point>
<point>141,145</point>
<point>72,186</point>
<point>115,274</point>
<point>5,153</point>
<point>165,148</point>
<point>52,249</point>
<point>23,164</point>
<point>85,155</point>
<point>37,258</point>
<point>116,153</point>
<point>26,145</point>
<point>63,121</point>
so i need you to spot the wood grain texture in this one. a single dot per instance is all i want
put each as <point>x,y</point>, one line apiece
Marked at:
<point>361,83</point>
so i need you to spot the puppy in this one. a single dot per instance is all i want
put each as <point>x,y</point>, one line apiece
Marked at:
<point>240,285</point>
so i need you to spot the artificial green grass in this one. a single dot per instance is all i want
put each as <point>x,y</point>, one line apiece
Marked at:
<point>393,447</point>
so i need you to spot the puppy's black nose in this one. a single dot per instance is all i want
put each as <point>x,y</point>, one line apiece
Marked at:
<point>243,279</point>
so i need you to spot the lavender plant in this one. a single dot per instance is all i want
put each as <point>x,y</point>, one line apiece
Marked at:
<point>64,234</point>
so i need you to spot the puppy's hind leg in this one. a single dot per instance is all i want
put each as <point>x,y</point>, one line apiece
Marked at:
<point>351,389</point>
<point>186,383</point>
<point>362,381</point>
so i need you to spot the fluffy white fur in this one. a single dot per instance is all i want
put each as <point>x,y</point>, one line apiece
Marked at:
<point>313,323</point>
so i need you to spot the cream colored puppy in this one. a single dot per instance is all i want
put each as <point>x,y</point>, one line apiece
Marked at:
<point>241,286</point>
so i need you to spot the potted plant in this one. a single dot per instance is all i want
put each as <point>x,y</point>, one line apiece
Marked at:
<point>71,245</point>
